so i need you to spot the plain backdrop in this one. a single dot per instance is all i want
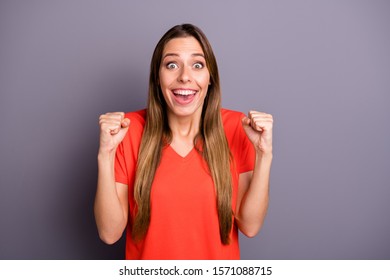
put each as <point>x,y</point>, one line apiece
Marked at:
<point>322,68</point>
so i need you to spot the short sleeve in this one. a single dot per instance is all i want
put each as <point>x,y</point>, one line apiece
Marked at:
<point>127,152</point>
<point>246,159</point>
<point>120,166</point>
<point>240,146</point>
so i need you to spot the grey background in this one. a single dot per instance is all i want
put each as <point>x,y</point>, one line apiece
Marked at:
<point>322,68</point>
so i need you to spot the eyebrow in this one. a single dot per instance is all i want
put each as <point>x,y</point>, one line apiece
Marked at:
<point>175,54</point>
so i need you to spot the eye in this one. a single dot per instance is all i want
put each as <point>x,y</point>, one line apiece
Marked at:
<point>198,65</point>
<point>171,65</point>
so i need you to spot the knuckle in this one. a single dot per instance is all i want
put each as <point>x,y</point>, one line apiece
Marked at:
<point>119,116</point>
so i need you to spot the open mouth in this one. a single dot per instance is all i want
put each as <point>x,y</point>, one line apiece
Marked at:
<point>184,96</point>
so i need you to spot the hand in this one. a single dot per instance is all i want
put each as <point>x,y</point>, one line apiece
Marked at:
<point>258,128</point>
<point>113,128</point>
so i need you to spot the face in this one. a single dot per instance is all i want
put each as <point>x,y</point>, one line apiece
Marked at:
<point>184,77</point>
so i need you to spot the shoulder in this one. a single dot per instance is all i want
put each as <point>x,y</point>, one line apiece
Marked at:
<point>137,118</point>
<point>227,113</point>
<point>232,125</point>
<point>240,146</point>
<point>137,124</point>
<point>231,119</point>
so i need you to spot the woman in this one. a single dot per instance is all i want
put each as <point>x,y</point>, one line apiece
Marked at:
<point>183,175</point>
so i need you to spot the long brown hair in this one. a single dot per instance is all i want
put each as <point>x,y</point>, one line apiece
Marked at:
<point>157,133</point>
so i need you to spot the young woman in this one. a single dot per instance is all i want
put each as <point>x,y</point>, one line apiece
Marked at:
<point>183,176</point>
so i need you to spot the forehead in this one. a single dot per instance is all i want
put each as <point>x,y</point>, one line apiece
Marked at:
<point>183,45</point>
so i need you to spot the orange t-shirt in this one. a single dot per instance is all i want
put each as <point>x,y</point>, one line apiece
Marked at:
<point>184,220</point>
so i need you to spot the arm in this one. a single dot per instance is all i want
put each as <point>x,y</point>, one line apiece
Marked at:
<point>111,200</point>
<point>253,188</point>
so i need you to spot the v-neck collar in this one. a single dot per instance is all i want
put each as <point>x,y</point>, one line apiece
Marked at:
<point>171,151</point>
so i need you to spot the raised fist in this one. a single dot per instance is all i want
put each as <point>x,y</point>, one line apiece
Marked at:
<point>113,128</point>
<point>258,128</point>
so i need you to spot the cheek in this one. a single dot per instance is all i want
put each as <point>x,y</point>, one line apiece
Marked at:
<point>165,79</point>
<point>204,79</point>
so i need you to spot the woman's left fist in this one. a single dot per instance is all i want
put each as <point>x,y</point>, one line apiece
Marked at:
<point>258,128</point>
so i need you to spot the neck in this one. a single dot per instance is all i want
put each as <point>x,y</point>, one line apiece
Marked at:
<point>184,128</point>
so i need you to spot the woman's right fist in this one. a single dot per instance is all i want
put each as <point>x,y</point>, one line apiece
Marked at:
<point>113,128</point>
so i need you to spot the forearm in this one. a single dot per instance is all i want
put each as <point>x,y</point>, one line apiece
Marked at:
<point>109,213</point>
<point>254,203</point>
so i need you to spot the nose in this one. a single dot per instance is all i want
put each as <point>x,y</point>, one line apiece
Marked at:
<point>184,75</point>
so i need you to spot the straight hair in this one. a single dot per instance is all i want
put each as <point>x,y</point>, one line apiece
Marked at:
<point>157,133</point>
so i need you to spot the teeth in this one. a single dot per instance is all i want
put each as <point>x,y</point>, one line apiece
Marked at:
<point>184,92</point>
